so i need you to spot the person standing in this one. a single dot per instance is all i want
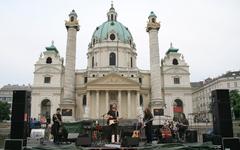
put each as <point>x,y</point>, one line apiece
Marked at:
<point>57,122</point>
<point>112,117</point>
<point>148,119</point>
<point>182,127</point>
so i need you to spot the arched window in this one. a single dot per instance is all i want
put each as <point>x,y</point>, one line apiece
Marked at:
<point>153,20</point>
<point>177,108</point>
<point>93,62</point>
<point>111,17</point>
<point>46,109</point>
<point>131,62</point>
<point>49,60</point>
<point>141,100</point>
<point>175,61</point>
<point>72,19</point>
<point>84,101</point>
<point>112,59</point>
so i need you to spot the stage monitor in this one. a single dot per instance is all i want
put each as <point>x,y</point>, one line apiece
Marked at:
<point>13,144</point>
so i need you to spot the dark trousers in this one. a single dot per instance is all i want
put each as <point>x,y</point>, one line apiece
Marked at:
<point>148,133</point>
<point>56,127</point>
<point>113,131</point>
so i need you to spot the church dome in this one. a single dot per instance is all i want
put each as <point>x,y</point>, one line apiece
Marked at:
<point>109,29</point>
<point>112,30</point>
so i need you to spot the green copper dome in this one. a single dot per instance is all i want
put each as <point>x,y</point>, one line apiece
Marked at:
<point>112,27</point>
<point>112,30</point>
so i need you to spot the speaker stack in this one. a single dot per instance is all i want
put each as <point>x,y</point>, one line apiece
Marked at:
<point>20,115</point>
<point>222,119</point>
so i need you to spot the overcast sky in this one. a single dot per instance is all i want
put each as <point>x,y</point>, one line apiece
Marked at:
<point>207,32</point>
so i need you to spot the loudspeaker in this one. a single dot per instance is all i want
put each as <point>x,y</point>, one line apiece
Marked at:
<point>216,140</point>
<point>13,144</point>
<point>207,137</point>
<point>20,115</point>
<point>231,143</point>
<point>222,119</point>
<point>130,142</point>
<point>83,140</point>
<point>191,136</point>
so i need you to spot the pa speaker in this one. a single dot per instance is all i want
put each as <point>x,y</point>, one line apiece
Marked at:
<point>222,119</point>
<point>13,144</point>
<point>130,142</point>
<point>20,115</point>
<point>191,136</point>
<point>231,143</point>
<point>83,141</point>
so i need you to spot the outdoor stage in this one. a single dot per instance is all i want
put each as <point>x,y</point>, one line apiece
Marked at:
<point>167,146</point>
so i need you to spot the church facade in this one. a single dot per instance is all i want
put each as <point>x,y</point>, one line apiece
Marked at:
<point>111,76</point>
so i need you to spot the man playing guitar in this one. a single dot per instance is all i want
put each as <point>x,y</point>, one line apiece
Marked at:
<point>112,117</point>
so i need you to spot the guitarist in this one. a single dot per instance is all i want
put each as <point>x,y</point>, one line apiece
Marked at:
<point>148,119</point>
<point>57,121</point>
<point>112,117</point>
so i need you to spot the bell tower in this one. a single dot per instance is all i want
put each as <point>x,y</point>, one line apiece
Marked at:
<point>156,85</point>
<point>68,101</point>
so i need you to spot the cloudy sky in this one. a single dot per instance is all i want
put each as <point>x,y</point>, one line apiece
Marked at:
<point>207,32</point>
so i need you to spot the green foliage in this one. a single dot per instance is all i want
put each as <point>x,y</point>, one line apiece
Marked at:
<point>4,111</point>
<point>235,102</point>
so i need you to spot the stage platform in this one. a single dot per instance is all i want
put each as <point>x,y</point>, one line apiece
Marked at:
<point>142,146</point>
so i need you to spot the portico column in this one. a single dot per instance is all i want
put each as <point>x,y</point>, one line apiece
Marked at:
<point>87,105</point>
<point>97,104</point>
<point>129,104</point>
<point>138,99</point>
<point>107,101</point>
<point>119,103</point>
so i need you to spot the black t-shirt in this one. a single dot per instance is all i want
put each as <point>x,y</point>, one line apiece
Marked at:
<point>112,113</point>
<point>57,117</point>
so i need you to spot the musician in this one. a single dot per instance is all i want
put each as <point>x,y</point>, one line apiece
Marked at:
<point>57,121</point>
<point>182,126</point>
<point>148,117</point>
<point>112,120</point>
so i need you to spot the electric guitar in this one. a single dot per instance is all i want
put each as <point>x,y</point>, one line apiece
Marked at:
<point>145,122</point>
<point>113,121</point>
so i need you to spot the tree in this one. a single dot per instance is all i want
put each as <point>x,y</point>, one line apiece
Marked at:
<point>235,102</point>
<point>4,111</point>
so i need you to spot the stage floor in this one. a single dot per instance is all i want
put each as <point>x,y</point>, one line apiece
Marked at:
<point>154,146</point>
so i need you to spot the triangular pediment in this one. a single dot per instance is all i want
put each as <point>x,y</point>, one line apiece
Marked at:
<point>113,79</point>
<point>175,71</point>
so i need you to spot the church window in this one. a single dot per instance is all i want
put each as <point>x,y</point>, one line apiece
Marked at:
<point>130,42</point>
<point>112,59</point>
<point>131,62</point>
<point>84,102</point>
<point>140,80</point>
<point>176,80</point>
<point>111,17</point>
<point>72,19</point>
<point>49,60</point>
<point>141,100</point>
<point>47,79</point>
<point>93,75</point>
<point>112,37</point>
<point>175,61</point>
<point>153,20</point>
<point>92,62</point>
<point>85,79</point>
<point>177,109</point>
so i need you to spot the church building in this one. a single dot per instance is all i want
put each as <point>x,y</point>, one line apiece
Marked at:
<point>111,76</point>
